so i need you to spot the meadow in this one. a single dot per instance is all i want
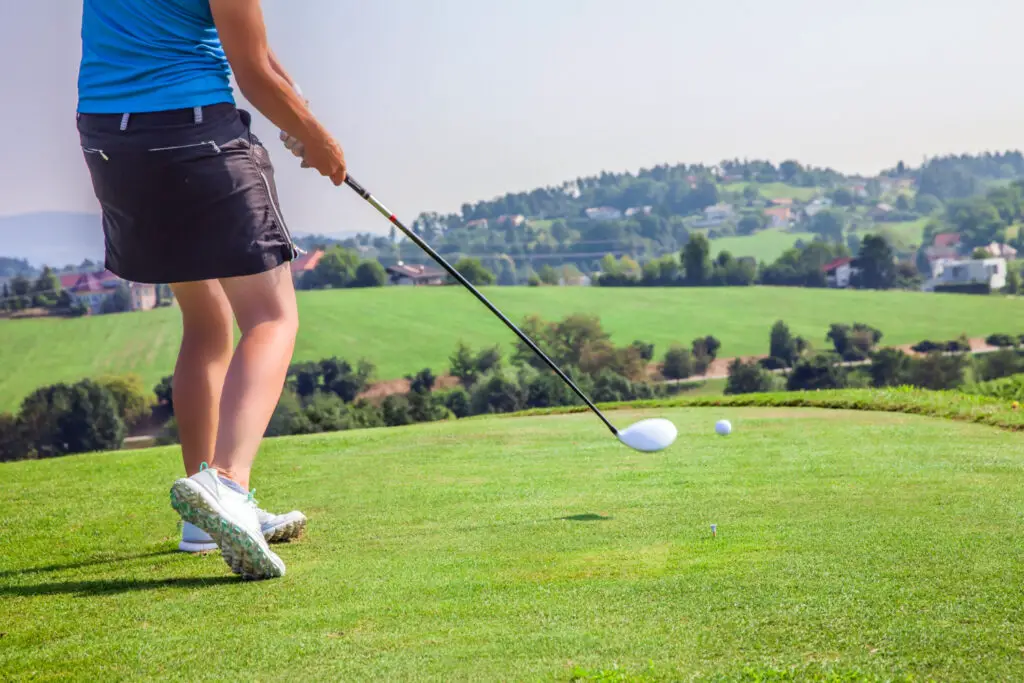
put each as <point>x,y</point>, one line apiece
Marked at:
<point>402,330</point>
<point>850,546</point>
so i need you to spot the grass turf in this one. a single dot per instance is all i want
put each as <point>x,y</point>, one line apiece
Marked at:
<point>766,245</point>
<point>851,546</point>
<point>403,330</point>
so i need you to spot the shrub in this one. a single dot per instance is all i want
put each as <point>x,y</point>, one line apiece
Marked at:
<point>750,378</point>
<point>133,402</point>
<point>818,372</point>
<point>457,401</point>
<point>1002,363</point>
<point>1002,340</point>
<point>678,363</point>
<point>937,371</point>
<point>705,350</point>
<point>853,343</point>
<point>965,288</point>
<point>889,368</point>
<point>13,445</point>
<point>645,350</point>
<point>497,394</point>
<point>783,346</point>
<point>80,418</point>
<point>395,411</point>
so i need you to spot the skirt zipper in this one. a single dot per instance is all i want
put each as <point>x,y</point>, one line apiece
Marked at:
<point>207,143</point>
<point>90,150</point>
<point>280,219</point>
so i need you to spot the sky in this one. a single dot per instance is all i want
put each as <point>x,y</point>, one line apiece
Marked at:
<point>442,102</point>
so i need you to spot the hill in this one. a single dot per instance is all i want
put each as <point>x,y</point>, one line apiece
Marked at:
<point>540,549</point>
<point>403,330</point>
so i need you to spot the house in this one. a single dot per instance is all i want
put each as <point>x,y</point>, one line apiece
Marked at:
<point>93,290</point>
<point>968,271</point>
<point>779,216</point>
<point>997,250</point>
<point>416,275</point>
<point>478,223</point>
<point>782,201</point>
<point>306,263</point>
<point>840,272</point>
<point>946,240</point>
<point>639,210</point>
<point>603,213</point>
<point>715,215</point>
<point>817,205</point>
<point>881,211</point>
<point>515,220</point>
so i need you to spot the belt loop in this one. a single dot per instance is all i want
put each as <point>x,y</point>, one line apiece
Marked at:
<point>197,115</point>
<point>124,121</point>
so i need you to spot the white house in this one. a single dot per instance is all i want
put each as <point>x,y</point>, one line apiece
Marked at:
<point>998,250</point>
<point>968,271</point>
<point>715,215</point>
<point>840,272</point>
<point>603,213</point>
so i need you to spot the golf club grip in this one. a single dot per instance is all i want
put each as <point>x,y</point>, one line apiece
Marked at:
<point>362,192</point>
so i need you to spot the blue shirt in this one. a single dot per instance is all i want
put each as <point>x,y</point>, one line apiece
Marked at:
<point>150,55</point>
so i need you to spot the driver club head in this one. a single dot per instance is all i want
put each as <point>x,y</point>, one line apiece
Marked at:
<point>649,435</point>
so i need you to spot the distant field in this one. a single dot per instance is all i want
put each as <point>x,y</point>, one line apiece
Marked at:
<point>907,234</point>
<point>766,245</point>
<point>776,190</point>
<point>403,330</point>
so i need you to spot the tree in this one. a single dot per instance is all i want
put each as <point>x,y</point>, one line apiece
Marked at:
<point>749,378</point>
<point>133,403</point>
<point>876,263</point>
<point>422,382</point>
<point>889,368</point>
<point>980,253</point>
<point>696,261</point>
<point>47,281</point>
<point>80,418</point>
<point>335,270</point>
<point>120,301</point>
<point>842,197</point>
<point>782,345</point>
<point>548,275</point>
<point>473,270</point>
<point>751,223</point>
<point>853,343</point>
<point>20,286</point>
<point>678,364</point>
<point>817,372</point>
<point>927,204</point>
<point>13,445</point>
<point>829,224</point>
<point>704,350</point>
<point>751,193</point>
<point>789,170</point>
<point>370,274</point>
<point>1012,281</point>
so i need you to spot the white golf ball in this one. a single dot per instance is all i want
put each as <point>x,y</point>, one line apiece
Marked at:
<point>723,427</point>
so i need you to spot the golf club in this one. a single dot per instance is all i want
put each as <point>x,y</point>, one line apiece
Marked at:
<point>646,435</point>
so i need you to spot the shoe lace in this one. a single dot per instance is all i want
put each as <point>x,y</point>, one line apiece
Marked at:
<point>249,499</point>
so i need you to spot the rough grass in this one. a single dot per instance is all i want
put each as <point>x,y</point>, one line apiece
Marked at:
<point>777,190</point>
<point>851,546</point>
<point>403,330</point>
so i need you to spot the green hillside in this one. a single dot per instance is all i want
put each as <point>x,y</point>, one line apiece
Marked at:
<point>765,246</point>
<point>403,330</point>
<point>849,547</point>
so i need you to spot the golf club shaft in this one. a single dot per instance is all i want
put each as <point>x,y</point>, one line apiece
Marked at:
<point>466,283</point>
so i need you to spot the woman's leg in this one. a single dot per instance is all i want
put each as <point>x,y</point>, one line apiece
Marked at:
<point>264,306</point>
<point>206,346</point>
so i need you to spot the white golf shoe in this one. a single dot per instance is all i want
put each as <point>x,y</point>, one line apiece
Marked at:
<point>276,529</point>
<point>231,521</point>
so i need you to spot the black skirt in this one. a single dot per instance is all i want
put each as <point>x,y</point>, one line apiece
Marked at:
<point>186,195</point>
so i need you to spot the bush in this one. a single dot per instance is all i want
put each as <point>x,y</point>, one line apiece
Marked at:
<point>1002,340</point>
<point>395,411</point>
<point>457,402</point>
<point>426,407</point>
<point>853,343</point>
<point>750,378</point>
<point>889,368</point>
<point>818,372</point>
<point>370,274</point>
<point>134,404</point>
<point>1002,363</point>
<point>13,445</point>
<point>497,394</point>
<point>80,418</point>
<point>965,288</point>
<point>288,417</point>
<point>705,350</point>
<point>645,350</point>
<point>678,364</point>
<point>165,395</point>
<point>937,371</point>
<point>468,367</point>
<point>1006,389</point>
<point>783,346</point>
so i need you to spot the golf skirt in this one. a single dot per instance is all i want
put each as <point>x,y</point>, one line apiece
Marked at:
<point>186,195</point>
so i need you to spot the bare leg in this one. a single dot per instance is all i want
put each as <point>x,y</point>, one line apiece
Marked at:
<point>264,306</point>
<point>203,359</point>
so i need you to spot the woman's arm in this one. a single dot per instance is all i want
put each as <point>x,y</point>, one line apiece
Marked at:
<point>264,83</point>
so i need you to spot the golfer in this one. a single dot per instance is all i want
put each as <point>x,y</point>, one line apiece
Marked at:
<point>188,199</point>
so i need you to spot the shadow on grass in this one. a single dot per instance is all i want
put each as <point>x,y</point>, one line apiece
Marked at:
<point>588,517</point>
<point>85,563</point>
<point>112,586</point>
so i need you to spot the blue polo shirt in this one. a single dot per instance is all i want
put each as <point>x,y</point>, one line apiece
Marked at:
<point>150,55</point>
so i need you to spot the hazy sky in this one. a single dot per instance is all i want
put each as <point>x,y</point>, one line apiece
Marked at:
<point>437,102</point>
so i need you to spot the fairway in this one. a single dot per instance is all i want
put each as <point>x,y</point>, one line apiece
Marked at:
<point>867,546</point>
<point>402,330</point>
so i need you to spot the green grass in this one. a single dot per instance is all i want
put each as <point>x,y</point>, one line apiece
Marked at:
<point>403,330</point>
<point>776,190</point>
<point>766,245</point>
<point>906,234</point>
<point>851,546</point>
